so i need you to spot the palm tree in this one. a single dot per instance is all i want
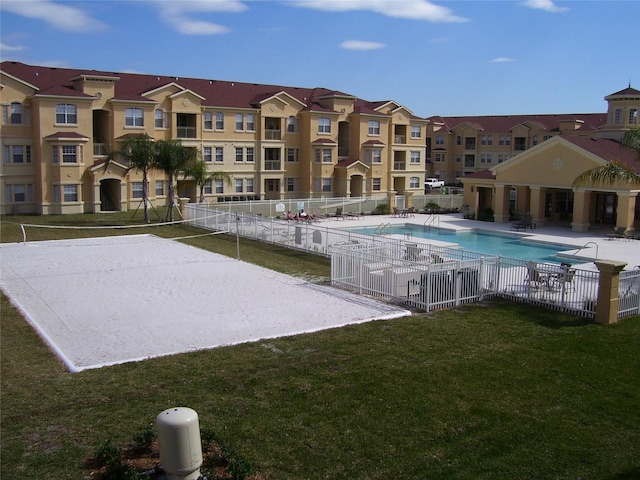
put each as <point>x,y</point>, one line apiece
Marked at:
<point>173,158</point>
<point>614,172</point>
<point>199,172</point>
<point>139,153</point>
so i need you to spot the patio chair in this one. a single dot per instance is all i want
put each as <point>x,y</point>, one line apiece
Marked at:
<point>534,278</point>
<point>565,278</point>
<point>411,212</point>
<point>395,212</point>
<point>339,213</point>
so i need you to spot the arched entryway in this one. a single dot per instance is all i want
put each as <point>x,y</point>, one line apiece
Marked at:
<point>110,195</point>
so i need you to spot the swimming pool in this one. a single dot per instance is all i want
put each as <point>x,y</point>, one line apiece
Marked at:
<point>506,245</point>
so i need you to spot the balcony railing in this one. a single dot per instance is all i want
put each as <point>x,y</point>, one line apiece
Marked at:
<point>100,149</point>
<point>272,134</point>
<point>272,165</point>
<point>399,139</point>
<point>186,132</point>
<point>399,165</point>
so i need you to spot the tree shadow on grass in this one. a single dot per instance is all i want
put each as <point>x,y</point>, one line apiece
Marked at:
<point>631,474</point>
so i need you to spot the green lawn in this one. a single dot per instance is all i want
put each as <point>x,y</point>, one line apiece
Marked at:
<point>490,391</point>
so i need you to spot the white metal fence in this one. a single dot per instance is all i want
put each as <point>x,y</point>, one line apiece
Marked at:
<point>357,205</point>
<point>425,276</point>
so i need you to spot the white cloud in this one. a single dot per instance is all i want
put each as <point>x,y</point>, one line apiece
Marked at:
<point>63,17</point>
<point>11,48</point>
<point>546,5</point>
<point>408,9</point>
<point>361,45</point>
<point>177,14</point>
<point>502,60</point>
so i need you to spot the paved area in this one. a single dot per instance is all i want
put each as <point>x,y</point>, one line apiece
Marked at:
<point>104,301</point>
<point>590,246</point>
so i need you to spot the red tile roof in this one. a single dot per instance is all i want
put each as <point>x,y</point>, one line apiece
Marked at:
<point>608,150</point>
<point>504,123</point>
<point>132,86</point>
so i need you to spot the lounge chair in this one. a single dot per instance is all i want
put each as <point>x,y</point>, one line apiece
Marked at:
<point>618,232</point>
<point>526,222</point>
<point>395,212</point>
<point>411,212</point>
<point>339,213</point>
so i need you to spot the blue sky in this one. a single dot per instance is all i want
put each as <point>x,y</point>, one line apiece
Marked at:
<point>434,57</point>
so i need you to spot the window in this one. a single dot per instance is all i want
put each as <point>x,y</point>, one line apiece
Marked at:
<point>324,125</point>
<point>374,127</point>
<point>159,187</point>
<point>534,140</point>
<point>375,185</point>
<point>219,186</point>
<point>69,154</point>
<point>136,190</point>
<point>161,119</point>
<point>16,114</point>
<point>239,154</point>
<point>415,131</point>
<point>439,140</point>
<point>486,158</point>
<point>326,155</point>
<point>219,121</point>
<point>250,123</point>
<point>66,113</point>
<point>414,182</point>
<point>17,154</point>
<point>54,154</point>
<point>458,158</point>
<point>293,154</point>
<point>133,117</point>
<point>507,140</point>
<point>501,140</point>
<point>239,122</point>
<point>326,184</point>
<point>208,121</point>
<point>70,193</point>
<point>239,185</point>
<point>292,184</point>
<point>617,116</point>
<point>249,184</point>
<point>633,116</point>
<point>458,140</point>
<point>415,158</point>
<point>249,154</point>
<point>18,193</point>
<point>219,156</point>
<point>373,156</point>
<point>208,188</point>
<point>292,125</point>
<point>207,154</point>
<point>439,157</point>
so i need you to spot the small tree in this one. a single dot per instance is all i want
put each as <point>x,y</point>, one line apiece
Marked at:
<point>173,158</point>
<point>139,154</point>
<point>198,172</point>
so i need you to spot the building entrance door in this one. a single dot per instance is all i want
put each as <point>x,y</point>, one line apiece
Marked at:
<point>606,205</point>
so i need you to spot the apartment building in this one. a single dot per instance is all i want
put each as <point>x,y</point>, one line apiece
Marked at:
<point>276,142</point>
<point>545,154</point>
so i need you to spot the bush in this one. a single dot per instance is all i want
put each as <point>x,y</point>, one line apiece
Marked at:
<point>381,209</point>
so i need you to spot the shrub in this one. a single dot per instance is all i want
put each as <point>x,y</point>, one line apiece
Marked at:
<point>381,209</point>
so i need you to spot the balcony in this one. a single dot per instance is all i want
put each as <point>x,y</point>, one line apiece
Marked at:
<point>399,165</point>
<point>272,165</point>
<point>399,139</point>
<point>186,132</point>
<point>100,149</point>
<point>270,134</point>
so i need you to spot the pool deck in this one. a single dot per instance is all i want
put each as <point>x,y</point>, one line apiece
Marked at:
<point>590,245</point>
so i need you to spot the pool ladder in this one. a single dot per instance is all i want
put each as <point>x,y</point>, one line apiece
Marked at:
<point>585,246</point>
<point>431,220</point>
<point>380,228</point>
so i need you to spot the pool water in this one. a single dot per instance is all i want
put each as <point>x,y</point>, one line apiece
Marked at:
<point>505,245</point>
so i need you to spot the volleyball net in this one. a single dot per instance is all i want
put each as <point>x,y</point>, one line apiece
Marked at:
<point>86,233</point>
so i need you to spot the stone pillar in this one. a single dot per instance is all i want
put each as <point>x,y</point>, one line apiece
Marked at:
<point>409,197</point>
<point>537,205</point>
<point>608,290</point>
<point>183,205</point>
<point>626,210</point>
<point>501,204</point>
<point>580,221</point>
